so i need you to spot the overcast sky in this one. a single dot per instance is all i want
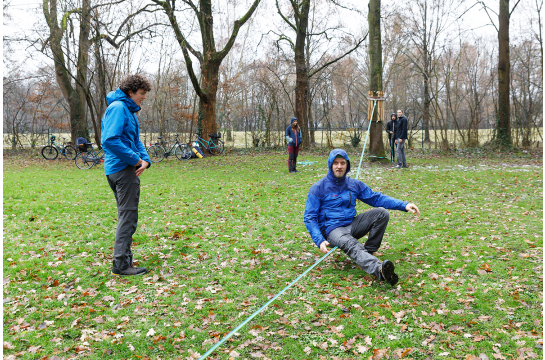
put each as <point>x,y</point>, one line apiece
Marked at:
<point>26,15</point>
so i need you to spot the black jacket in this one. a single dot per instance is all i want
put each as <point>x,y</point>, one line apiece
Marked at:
<point>391,126</point>
<point>401,128</point>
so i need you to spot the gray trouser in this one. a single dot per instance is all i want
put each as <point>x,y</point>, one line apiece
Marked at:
<point>372,222</point>
<point>126,187</point>
<point>401,160</point>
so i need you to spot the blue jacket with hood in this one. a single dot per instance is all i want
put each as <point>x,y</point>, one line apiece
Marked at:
<point>121,133</point>
<point>331,202</point>
<point>295,140</point>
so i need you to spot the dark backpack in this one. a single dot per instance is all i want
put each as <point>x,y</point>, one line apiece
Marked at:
<point>82,144</point>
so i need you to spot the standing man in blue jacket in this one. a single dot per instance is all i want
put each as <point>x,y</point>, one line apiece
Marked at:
<point>125,160</point>
<point>400,139</point>
<point>293,136</point>
<point>331,218</point>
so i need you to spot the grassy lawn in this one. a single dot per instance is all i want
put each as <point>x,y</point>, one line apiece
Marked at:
<point>221,236</point>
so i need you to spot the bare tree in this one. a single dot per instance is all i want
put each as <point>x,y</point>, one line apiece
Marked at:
<point>209,59</point>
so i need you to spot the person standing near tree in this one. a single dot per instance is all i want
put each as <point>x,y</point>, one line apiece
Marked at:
<point>125,160</point>
<point>331,218</point>
<point>293,136</point>
<point>390,128</point>
<point>400,139</point>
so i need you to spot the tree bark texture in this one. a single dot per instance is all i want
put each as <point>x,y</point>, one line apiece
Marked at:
<point>74,96</point>
<point>426,74</point>
<point>503,123</point>
<point>301,72</point>
<point>376,146</point>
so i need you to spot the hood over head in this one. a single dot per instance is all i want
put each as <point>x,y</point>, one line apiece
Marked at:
<point>119,95</point>
<point>332,155</point>
<point>293,119</point>
<point>393,114</point>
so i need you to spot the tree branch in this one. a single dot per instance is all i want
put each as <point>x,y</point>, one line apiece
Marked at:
<point>486,10</point>
<point>238,23</point>
<point>339,58</point>
<point>177,32</point>
<point>513,9</point>
<point>284,18</point>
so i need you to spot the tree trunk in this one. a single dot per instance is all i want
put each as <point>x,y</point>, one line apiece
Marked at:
<point>503,123</point>
<point>210,59</point>
<point>74,97</point>
<point>376,146</point>
<point>210,81</point>
<point>426,73</point>
<point>301,73</point>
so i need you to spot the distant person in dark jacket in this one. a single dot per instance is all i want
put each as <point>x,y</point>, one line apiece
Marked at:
<point>125,160</point>
<point>390,128</point>
<point>331,218</point>
<point>401,138</point>
<point>293,136</point>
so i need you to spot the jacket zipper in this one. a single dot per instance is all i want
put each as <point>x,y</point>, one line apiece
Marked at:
<point>325,214</point>
<point>350,202</point>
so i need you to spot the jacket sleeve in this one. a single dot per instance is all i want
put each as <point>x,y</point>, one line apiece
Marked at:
<point>288,135</point>
<point>114,122</point>
<point>377,199</point>
<point>312,209</point>
<point>143,152</point>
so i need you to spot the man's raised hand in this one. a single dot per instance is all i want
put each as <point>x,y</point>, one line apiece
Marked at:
<point>323,247</point>
<point>412,208</point>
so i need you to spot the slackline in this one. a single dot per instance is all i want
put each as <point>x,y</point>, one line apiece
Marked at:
<point>366,137</point>
<point>226,337</point>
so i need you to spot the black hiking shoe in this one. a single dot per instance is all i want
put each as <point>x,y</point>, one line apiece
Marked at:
<point>130,271</point>
<point>387,272</point>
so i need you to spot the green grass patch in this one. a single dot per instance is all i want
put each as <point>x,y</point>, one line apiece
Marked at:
<point>220,236</point>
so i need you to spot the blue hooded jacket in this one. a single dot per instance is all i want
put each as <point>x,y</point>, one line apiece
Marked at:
<point>331,202</point>
<point>294,140</point>
<point>121,133</point>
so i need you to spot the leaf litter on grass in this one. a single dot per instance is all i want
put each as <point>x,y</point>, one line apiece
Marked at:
<point>218,248</point>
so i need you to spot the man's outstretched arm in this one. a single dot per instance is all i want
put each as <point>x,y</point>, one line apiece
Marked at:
<point>311,221</point>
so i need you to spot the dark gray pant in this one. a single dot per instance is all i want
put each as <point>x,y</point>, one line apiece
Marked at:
<point>372,222</point>
<point>126,187</point>
<point>401,160</point>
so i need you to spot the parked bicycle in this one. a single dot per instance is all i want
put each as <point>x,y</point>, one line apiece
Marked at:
<point>157,152</point>
<point>51,151</point>
<point>214,145</point>
<point>88,157</point>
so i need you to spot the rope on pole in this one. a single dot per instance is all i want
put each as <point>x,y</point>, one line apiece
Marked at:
<point>366,136</point>
<point>226,337</point>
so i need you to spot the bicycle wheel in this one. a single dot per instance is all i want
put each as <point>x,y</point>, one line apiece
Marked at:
<point>156,153</point>
<point>220,146</point>
<point>182,152</point>
<point>84,161</point>
<point>100,154</point>
<point>50,152</point>
<point>216,147</point>
<point>70,152</point>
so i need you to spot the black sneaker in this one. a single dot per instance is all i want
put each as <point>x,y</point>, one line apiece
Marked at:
<point>129,271</point>
<point>387,272</point>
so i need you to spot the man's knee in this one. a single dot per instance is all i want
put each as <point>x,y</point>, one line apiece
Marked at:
<point>382,214</point>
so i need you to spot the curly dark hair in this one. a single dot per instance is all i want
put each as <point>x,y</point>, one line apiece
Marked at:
<point>134,83</point>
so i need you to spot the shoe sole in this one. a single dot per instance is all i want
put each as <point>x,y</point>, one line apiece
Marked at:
<point>387,271</point>
<point>142,273</point>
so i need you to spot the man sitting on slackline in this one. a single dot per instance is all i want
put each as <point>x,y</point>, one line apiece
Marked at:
<point>331,220</point>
